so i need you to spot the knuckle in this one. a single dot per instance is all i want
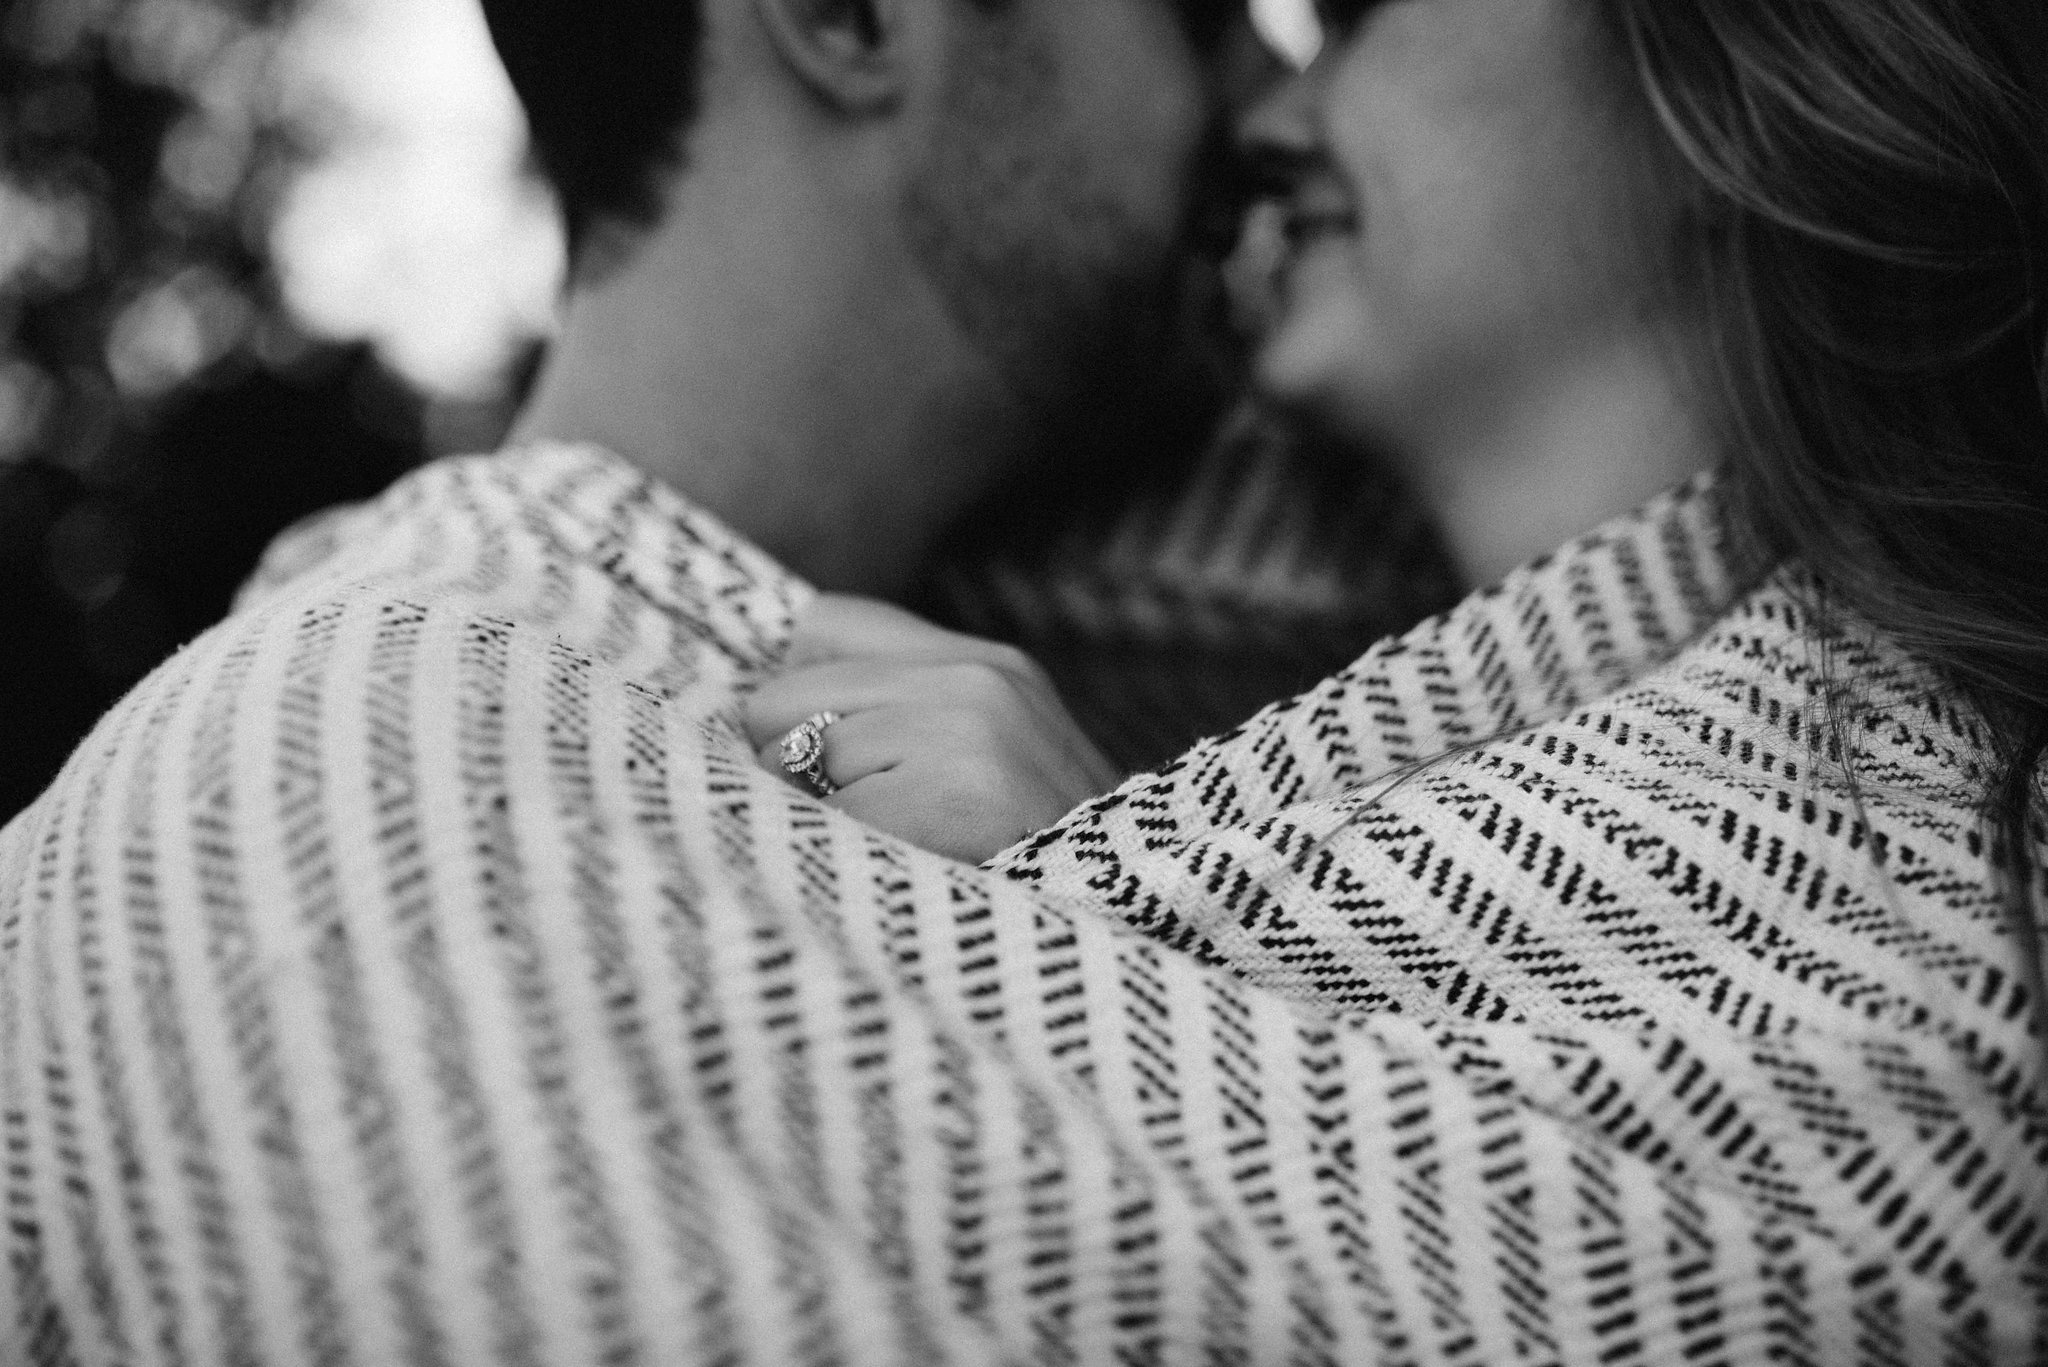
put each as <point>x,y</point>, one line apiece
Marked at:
<point>978,681</point>
<point>1010,660</point>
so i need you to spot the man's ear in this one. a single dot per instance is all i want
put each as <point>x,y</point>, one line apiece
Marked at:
<point>848,52</point>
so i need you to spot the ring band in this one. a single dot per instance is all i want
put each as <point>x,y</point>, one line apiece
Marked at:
<point>803,753</point>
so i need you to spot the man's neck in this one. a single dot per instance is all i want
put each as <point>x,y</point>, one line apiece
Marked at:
<point>1555,457</point>
<point>794,391</point>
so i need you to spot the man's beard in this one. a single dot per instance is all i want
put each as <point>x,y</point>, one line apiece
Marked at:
<point>1080,307</point>
<point>1055,287</point>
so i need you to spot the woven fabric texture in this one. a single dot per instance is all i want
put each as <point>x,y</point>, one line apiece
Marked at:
<point>1172,602</point>
<point>419,969</point>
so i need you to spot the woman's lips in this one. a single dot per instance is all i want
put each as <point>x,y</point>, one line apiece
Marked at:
<point>1308,223</point>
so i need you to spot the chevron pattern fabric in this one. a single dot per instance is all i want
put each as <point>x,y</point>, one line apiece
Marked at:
<point>1176,600</point>
<point>418,969</point>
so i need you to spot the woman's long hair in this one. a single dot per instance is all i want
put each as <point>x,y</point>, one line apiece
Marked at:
<point>1866,203</point>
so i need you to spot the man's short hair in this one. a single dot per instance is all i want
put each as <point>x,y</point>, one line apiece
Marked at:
<point>610,88</point>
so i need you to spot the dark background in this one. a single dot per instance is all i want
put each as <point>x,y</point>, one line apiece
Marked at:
<point>161,414</point>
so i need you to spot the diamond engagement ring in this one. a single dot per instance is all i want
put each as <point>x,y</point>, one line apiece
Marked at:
<point>803,753</point>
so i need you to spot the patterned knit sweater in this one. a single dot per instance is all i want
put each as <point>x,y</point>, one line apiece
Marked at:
<point>418,969</point>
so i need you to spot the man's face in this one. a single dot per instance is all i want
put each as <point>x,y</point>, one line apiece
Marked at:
<point>1054,209</point>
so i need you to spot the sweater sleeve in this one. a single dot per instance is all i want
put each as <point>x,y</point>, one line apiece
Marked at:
<point>419,977</point>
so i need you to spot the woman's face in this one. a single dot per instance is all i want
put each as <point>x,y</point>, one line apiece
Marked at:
<point>1464,207</point>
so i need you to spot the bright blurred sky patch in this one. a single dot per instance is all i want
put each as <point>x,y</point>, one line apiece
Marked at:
<point>413,226</point>
<point>1291,27</point>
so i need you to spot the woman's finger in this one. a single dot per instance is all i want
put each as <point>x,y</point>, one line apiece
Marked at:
<point>838,626</point>
<point>856,748</point>
<point>958,756</point>
<point>842,686</point>
<point>852,685</point>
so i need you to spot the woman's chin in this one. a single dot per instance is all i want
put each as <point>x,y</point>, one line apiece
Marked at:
<point>1278,386</point>
<point>1294,372</point>
<point>1321,395</point>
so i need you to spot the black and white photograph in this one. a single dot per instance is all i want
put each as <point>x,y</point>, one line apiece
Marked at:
<point>1023,683</point>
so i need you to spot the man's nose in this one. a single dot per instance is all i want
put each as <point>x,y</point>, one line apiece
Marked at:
<point>1276,135</point>
<point>1245,66</point>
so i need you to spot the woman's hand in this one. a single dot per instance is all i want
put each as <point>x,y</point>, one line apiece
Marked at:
<point>956,744</point>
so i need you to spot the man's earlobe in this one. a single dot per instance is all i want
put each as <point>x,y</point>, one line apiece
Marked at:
<point>847,51</point>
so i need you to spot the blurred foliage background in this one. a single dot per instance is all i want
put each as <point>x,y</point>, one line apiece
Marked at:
<point>255,258</point>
